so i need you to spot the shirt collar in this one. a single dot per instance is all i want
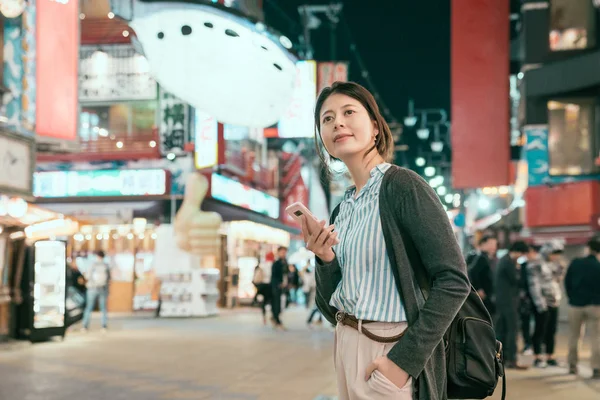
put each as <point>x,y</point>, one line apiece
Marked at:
<point>378,170</point>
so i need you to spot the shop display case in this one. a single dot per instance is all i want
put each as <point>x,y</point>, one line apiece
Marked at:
<point>190,294</point>
<point>42,313</point>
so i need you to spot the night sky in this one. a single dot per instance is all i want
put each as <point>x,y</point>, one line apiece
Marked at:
<point>405,46</point>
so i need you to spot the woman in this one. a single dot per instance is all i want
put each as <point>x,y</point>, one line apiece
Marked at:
<point>365,283</point>
<point>262,289</point>
<point>543,272</point>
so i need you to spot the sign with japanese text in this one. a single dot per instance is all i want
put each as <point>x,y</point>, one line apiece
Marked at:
<point>174,127</point>
<point>100,183</point>
<point>238,194</point>
<point>298,120</point>
<point>206,140</point>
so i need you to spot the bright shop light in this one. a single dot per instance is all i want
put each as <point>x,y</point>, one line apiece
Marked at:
<point>82,16</point>
<point>111,15</point>
<point>125,33</point>
<point>152,144</point>
<point>429,171</point>
<point>423,133</point>
<point>437,147</point>
<point>441,190</point>
<point>410,121</point>
<point>12,8</point>
<point>420,161</point>
<point>449,197</point>
<point>171,156</point>
<point>102,132</point>
<point>119,145</point>
<point>285,42</point>
<point>483,203</point>
<point>217,61</point>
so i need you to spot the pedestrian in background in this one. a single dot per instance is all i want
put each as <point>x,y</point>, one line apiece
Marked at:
<point>582,283</point>
<point>98,282</point>
<point>508,289</point>
<point>278,284</point>
<point>481,272</point>
<point>546,299</point>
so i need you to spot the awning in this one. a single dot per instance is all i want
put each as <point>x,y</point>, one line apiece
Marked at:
<point>230,212</point>
<point>569,235</point>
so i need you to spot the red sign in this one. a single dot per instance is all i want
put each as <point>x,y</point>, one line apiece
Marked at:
<point>299,193</point>
<point>56,70</point>
<point>480,93</point>
<point>329,72</point>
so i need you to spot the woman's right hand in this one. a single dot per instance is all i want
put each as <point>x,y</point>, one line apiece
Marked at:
<point>321,240</point>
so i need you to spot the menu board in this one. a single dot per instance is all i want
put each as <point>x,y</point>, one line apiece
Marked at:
<point>50,284</point>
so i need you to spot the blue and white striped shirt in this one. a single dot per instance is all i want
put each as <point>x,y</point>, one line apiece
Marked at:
<point>367,289</point>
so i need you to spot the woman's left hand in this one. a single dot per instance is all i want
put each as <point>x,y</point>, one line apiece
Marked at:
<point>391,371</point>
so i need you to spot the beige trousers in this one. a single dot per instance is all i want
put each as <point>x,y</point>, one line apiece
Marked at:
<point>590,316</point>
<point>354,352</point>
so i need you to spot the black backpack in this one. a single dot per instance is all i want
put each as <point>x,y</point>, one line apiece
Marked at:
<point>474,358</point>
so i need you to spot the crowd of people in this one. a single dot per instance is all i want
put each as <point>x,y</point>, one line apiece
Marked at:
<point>526,285</point>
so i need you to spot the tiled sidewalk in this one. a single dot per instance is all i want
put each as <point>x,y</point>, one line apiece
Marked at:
<point>232,356</point>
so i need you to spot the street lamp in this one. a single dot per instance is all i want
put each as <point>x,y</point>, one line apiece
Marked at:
<point>420,161</point>
<point>429,171</point>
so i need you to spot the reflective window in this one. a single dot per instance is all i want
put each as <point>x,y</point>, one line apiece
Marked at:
<point>571,137</point>
<point>130,119</point>
<point>572,25</point>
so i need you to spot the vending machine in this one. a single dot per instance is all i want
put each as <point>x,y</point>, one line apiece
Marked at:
<point>42,312</point>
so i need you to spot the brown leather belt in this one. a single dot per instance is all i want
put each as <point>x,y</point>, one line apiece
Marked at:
<point>351,321</point>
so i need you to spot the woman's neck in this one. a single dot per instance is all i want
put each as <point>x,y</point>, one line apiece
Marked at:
<point>361,171</point>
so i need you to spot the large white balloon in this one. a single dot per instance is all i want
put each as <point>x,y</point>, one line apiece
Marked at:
<point>217,62</point>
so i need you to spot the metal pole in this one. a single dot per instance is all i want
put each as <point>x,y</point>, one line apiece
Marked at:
<point>332,40</point>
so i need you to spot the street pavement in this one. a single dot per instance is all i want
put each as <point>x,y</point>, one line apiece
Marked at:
<point>232,356</point>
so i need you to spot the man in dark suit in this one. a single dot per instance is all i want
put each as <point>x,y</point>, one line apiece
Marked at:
<point>508,292</point>
<point>581,282</point>
<point>278,271</point>
<point>481,273</point>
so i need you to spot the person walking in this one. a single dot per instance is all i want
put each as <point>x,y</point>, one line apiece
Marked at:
<point>546,300</point>
<point>388,339</point>
<point>262,290</point>
<point>581,284</point>
<point>481,271</point>
<point>508,291</point>
<point>278,284</point>
<point>98,282</point>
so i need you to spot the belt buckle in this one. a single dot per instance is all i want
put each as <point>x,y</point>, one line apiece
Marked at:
<point>339,316</point>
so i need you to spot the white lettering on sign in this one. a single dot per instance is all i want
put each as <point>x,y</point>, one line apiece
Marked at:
<point>206,140</point>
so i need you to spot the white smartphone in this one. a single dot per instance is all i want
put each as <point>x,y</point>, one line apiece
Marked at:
<point>297,210</point>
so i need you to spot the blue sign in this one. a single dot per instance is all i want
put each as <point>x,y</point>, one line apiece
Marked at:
<point>538,162</point>
<point>536,153</point>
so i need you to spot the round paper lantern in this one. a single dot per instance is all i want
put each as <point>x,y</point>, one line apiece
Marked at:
<point>217,61</point>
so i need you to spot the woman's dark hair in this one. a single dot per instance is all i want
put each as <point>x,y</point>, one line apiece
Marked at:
<point>100,253</point>
<point>384,141</point>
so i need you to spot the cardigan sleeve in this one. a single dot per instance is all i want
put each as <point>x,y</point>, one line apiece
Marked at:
<point>328,276</point>
<point>425,223</point>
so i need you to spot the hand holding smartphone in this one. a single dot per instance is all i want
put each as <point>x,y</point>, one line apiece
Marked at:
<point>318,238</point>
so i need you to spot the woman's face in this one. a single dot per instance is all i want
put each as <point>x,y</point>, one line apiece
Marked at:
<point>346,127</point>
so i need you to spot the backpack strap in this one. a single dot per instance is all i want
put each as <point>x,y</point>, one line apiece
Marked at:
<point>334,214</point>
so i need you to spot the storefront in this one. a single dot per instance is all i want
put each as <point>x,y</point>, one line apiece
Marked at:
<point>119,211</point>
<point>17,164</point>
<point>251,230</point>
<point>249,245</point>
